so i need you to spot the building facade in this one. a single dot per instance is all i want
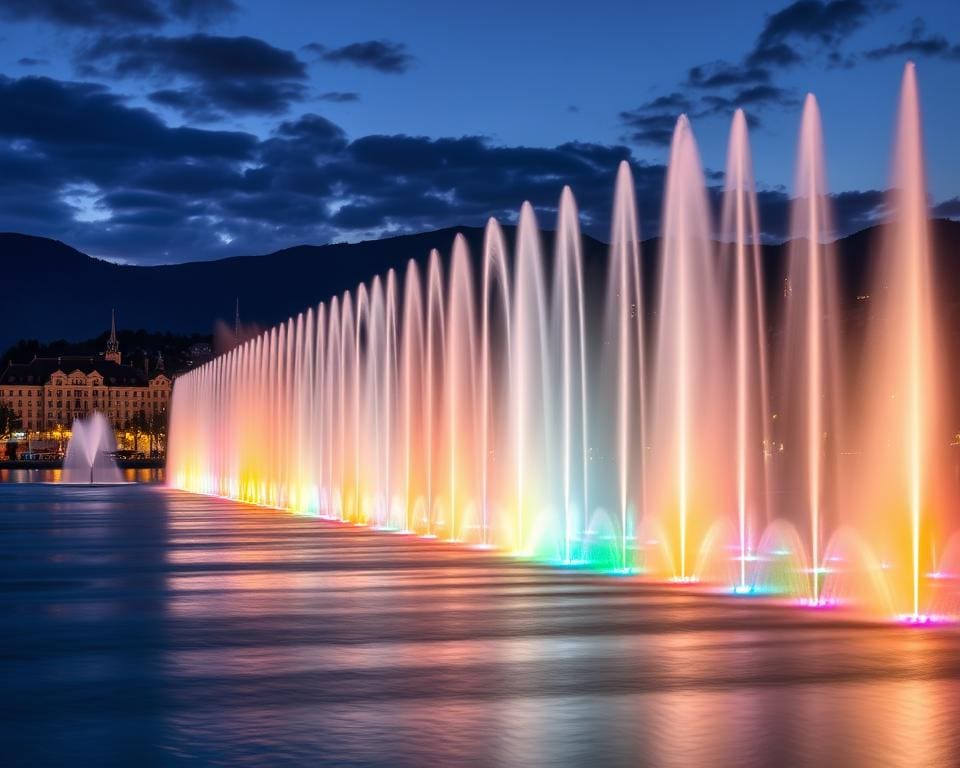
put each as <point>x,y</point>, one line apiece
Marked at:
<point>48,393</point>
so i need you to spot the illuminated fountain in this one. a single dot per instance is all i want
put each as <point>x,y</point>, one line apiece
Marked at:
<point>740,256</point>
<point>809,381</point>
<point>89,457</point>
<point>650,417</point>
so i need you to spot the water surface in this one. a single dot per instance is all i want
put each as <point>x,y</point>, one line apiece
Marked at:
<point>142,626</point>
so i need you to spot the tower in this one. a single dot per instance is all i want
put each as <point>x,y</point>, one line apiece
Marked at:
<point>113,346</point>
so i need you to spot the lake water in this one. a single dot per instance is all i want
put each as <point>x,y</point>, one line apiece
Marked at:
<point>142,626</point>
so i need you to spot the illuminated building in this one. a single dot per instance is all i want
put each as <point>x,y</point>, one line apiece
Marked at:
<point>49,392</point>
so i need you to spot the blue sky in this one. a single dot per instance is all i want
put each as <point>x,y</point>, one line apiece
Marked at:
<point>245,126</point>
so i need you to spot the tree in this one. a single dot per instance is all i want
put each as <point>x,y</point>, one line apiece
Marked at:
<point>158,431</point>
<point>10,421</point>
<point>139,424</point>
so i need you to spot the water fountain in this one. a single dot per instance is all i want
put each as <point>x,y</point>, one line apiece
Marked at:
<point>650,415</point>
<point>89,456</point>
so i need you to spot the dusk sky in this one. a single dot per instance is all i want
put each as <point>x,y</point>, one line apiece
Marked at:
<point>152,131</point>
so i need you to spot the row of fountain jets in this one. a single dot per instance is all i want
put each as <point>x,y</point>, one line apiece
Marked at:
<point>579,414</point>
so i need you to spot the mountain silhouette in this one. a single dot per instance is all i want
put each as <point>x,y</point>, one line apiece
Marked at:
<point>55,291</point>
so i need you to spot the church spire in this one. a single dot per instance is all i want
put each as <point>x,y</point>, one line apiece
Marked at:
<point>113,346</point>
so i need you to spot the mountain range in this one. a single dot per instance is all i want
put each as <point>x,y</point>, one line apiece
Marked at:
<point>54,291</point>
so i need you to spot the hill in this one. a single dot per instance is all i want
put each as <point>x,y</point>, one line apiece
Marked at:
<point>53,291</point>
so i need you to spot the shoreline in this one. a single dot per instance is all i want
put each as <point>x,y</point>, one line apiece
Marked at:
<point>58,464</point>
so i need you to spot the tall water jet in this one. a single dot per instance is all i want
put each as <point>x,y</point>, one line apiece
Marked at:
<point>810,367</point>
<point>460,386</point>
<point>436,357</point>
<point>621,417</point>
<point>412,363</point>
<point>494,379</point>
<point>528,390</point>
<point>691,425</point>
<point>570,362</point>
<point>902,430</point>
<point>740,236</point>
<point>89,453</point>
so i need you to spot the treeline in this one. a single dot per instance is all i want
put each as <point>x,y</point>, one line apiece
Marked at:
<point>136,346</point>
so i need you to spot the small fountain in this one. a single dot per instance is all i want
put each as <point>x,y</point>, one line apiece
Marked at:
<point>89,457</point>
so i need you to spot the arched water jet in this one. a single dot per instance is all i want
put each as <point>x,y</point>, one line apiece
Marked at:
<point>460,378</point>
<point>621,425</point>
<point>569,324</point>
<point>740,235</point>
<point>412,383</point>
<point>691,425</point>
<point>436,357</point>
<point>495,276</point>
<point>901,428</point>
<point>528,366</point>
<point>810,367</point>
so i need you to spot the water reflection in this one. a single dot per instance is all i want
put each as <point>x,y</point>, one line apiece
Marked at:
<point>140,475</point>
<point>140,625</point>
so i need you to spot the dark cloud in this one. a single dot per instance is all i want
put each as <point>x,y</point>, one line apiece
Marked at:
<point>818,24</point>
<point>948,209</point>
<point>88,123</point>
<point>77,162</point>
<point>198,56</point>
<point>918,43</point>
<point>381,55</point>
<point>339,97</point>
<point>825,21</point>
<point>720,74</point>
<point>858,209</point>
<point>29,61</point>
<point>776,56</point>
<point>755,96</point>
<point>653,122</point>
<point>649,127</point>
<point>105,14</point>
<point>233,75</point>
<point>209,101</point>
<point>788,37</point>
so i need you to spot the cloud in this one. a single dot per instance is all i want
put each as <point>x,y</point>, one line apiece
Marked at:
<point>198,56</point>
<point>720,74</point>
<point>381,55</point>
<point>948,209</point>
<point>233,75</point>
<point>339,97</point>
<point>211,100</point>
<point>79,163</point>
<point>857,209</point>
<point>87,123</point>
<point>918,43</point>
<point>106,14</point>
<point>755,96</point>
<point>826,21</point>
<point>29,61</point>
<point>788,37</point>
<point>647,126</point>
<point>653,122</point>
